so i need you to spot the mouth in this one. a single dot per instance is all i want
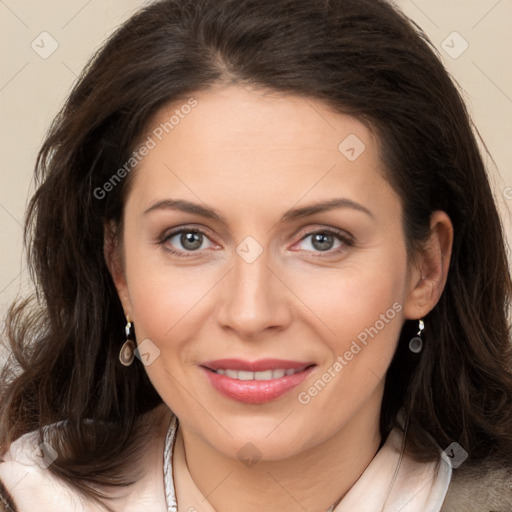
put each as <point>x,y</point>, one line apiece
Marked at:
<point>263,375</point>
<point>255,382</point>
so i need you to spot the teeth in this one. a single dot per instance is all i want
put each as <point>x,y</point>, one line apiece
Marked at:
<point>264,375</point>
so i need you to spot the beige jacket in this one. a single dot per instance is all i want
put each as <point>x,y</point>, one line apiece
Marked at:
<point>486,487</point>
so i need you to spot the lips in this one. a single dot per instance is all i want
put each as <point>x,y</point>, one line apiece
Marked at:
<point>255,382</point>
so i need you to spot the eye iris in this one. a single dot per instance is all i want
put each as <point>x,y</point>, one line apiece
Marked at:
<point>191,240</point>
<point>322,241</point>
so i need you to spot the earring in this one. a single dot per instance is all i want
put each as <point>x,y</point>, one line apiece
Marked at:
<point>127,352</point>
<point>416,343</point>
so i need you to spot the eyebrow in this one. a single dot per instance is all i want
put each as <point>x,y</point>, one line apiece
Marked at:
<point>289,216</point>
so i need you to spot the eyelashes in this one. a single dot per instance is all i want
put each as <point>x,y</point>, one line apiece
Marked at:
<point>192,242</point>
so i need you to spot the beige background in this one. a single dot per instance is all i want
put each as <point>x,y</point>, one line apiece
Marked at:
<point>33,85</point>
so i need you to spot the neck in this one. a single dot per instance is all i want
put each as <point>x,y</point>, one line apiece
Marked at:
<point>312,480</point>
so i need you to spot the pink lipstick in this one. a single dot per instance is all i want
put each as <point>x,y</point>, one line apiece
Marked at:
<point>255,382</point>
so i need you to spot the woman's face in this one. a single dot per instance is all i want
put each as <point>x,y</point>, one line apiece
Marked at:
<point>261,241</point>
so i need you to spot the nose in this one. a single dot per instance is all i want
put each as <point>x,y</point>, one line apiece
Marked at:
<point>255,301</point>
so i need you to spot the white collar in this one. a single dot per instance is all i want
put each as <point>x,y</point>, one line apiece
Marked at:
<point>392,481</point>
<point>395,481</point>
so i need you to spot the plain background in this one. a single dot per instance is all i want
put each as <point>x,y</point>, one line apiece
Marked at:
<point>45,44</point>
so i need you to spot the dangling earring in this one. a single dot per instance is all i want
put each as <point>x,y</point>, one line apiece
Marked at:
<point>127,352</point>
<point>416,343</point>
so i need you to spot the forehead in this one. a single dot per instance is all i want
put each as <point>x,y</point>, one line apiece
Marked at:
<point>249,118</point>
<point>258,146</point>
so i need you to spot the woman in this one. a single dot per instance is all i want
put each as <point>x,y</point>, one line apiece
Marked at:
<point>283,206</point>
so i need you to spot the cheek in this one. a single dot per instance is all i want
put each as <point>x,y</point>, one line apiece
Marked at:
<point>362,307</point>
<point>355,296</point>
<point>366,326</point>
<point>164,303</point>
<point>168,302</point>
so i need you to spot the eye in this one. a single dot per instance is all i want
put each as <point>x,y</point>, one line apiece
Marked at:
<point>186,240</point>
<point>324,241</point>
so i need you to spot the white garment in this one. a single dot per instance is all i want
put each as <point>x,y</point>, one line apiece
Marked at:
<point>390,483</point>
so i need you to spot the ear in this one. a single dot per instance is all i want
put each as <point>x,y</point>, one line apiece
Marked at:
<point>430,270</point>
<point>113,253</point>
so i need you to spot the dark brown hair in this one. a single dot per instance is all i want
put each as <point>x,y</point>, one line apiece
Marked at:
<point>361,57</point>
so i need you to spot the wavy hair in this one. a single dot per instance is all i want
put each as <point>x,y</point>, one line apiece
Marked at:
<point>361,57</point>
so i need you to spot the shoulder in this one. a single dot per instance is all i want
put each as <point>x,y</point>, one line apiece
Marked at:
<point>27,483</point>
<point>485,486</point>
